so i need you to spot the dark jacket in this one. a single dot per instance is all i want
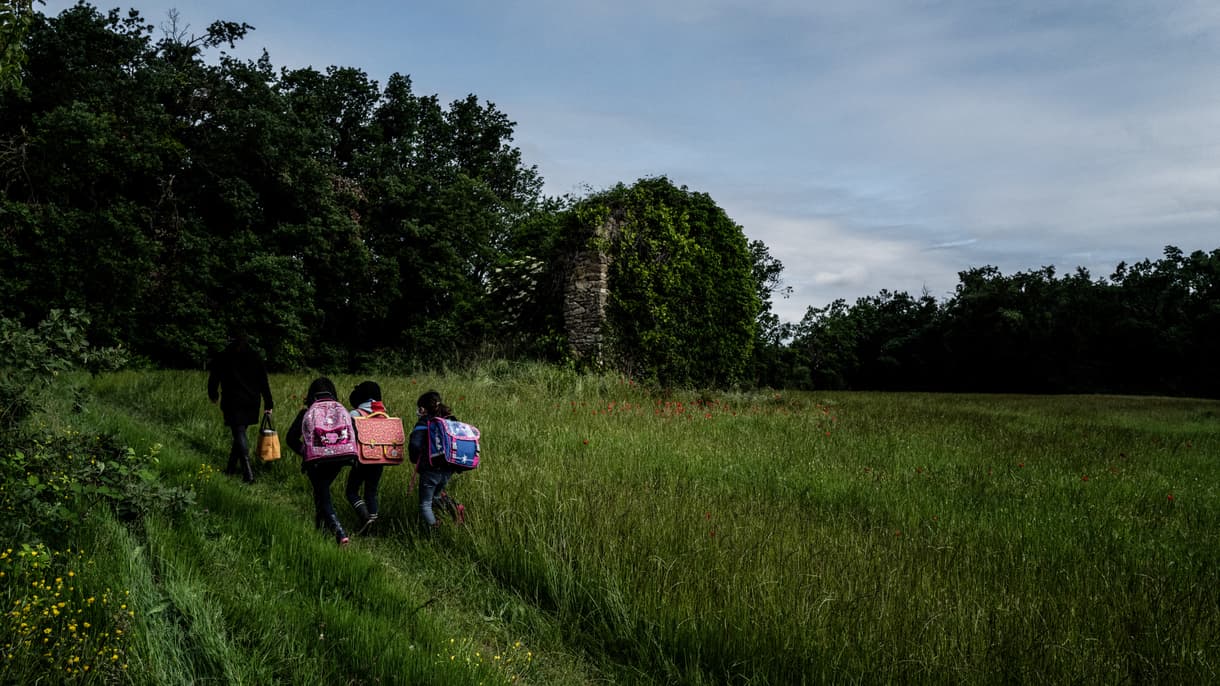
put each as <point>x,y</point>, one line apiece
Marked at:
<point>418,448</point>
<point>238,378</point>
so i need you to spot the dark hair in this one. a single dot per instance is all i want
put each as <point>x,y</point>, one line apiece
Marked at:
<point>432,404</point>
<point>365,390</point>
<point>319,387</point>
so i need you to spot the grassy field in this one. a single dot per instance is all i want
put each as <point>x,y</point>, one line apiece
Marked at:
<point>618,536</point>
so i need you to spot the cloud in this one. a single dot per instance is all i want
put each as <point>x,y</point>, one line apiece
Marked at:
<point>825,260</point>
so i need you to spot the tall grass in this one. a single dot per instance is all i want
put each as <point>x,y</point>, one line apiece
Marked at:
<point>620,535</point>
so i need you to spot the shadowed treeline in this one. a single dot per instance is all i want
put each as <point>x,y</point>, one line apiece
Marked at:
<point>173,193</point>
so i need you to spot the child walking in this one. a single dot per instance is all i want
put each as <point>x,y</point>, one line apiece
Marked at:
<point>432,478</point>
<point>364,399</point>
<point>321,475</point>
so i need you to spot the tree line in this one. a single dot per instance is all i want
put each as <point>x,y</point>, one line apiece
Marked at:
<point>175,193</point>
<point>1150,328</point>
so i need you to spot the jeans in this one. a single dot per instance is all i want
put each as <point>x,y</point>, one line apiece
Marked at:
<point>430,483</point>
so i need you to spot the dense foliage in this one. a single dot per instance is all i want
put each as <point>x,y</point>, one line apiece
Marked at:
<point>52,476</point>
<point>1150,328</point>
<point>683,302</point>
<point>15,19</point>
<point>329,217</point>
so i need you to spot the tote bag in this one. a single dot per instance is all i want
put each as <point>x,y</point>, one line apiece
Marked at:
<point>268,441</point>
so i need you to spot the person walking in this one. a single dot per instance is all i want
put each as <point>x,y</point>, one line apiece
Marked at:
<point>321,474</point>
<point>237,379</point>
<point>432,478</point>
<point>364,480</point>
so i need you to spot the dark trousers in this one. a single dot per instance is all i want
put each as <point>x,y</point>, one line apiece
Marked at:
<point>321,476</point>
<point>366,478</point>
<point>241,443</point>
<point>239,454</point>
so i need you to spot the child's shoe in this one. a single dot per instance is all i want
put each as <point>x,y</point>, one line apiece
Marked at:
<point>367,525</point>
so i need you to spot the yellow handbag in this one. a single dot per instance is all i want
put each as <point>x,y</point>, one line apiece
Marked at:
<point>268,441</point>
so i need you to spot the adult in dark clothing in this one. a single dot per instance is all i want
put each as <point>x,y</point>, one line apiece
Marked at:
<point>321,476</point>
<point>238,379</point>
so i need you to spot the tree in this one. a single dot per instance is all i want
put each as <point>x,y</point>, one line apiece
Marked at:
<point>773,363</point>
<point>447,195</point>
<point>890,341</point>
<point>15,19</point>
<point>683,301</point>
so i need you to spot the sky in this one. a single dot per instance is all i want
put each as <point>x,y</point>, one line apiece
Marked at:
<point>870,144</point>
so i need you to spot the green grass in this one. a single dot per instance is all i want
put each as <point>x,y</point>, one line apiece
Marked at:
<point>746,538</point>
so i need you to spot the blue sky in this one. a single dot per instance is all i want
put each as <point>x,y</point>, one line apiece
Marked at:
<point>871,144</point>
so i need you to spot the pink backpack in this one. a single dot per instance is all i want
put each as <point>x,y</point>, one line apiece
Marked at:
<point>327,432</point>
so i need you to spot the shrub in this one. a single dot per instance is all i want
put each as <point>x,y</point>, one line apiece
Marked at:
<point>55,481</point>
<point>48,482</point>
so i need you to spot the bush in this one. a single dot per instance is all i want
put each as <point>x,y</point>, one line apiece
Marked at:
<point>31,358</point>
<point>57,480</point>
<point>48,482</point>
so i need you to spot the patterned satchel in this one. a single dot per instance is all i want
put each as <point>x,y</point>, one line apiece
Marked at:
<point>380,438</point>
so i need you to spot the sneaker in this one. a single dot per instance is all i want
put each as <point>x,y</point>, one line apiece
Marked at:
<point>344,540</point>
<point>459,514</point>
<point>367,525</point>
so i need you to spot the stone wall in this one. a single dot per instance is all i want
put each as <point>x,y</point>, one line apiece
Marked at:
<point>586,292</point>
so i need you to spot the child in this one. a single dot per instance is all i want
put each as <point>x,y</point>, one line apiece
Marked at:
<point>432,478</point>
<point>321,475</point>
<point>365,399</point>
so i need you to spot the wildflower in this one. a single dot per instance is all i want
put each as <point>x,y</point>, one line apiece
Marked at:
<point>1084,477</point>
<point>1170,497</point>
